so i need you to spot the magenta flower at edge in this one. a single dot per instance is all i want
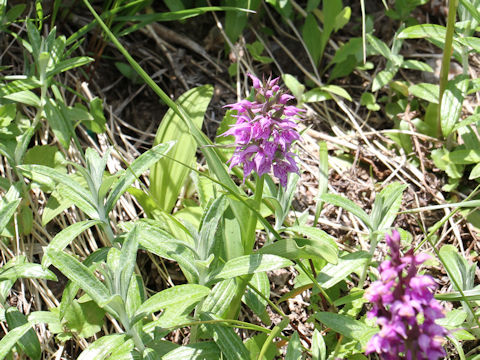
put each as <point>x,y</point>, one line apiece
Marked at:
<point>264,131</point>
<point>405,308</point>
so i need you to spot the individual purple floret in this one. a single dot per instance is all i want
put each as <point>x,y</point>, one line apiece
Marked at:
<point>264,131</point>
<point>405,308</point>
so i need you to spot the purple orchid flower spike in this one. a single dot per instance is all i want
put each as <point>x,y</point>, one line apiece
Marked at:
<point>400,299</point>
<point>265,130</point>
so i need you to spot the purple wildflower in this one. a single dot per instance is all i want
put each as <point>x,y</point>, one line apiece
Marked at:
<point>265,131</point>
<point>405,308</point>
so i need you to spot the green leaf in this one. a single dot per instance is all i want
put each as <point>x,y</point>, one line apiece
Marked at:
<point>81,276</point>
<point>475,173</point>
<point>379,46</point>
<point>253,300</point>
<point>348,205</point>
<point>337,90</point>
<point>347,264</point>
<point>128,257</point>
<point>432,31</point>
<point>319,350</point>
<point>294,349</point>
<point>27,270</point>
<point>197,351</point>
<point>368,100</point>
<point>219,299</point>
<point>347,326</point>
<point>316,95</point>
<point>167,175</point>
<point>324,243</point>
<point>386,206</point>
<point>99,121</point>
<point>463,156</point>
<point>6,212</point>
<point>84,318</point>
<point>248,264</point>
<point>28,342</point>
<point>62,127</point>
<point>26,97</point>
<point>69,64</point>
<point>470,295</point>
<point>416,65</point>
<point>103,347</point>
<point>311,34</point>
<point>11,338</point>
<point>452,101</point>
<point>209,227</point>
<point>227,340</point>
<point>180,296</point>
<point>295,87</point>
<point>382,79</point>
<point>136,168</point>
<point>18,86</point>
<point>425,91</point>
<point>65,237</point>
<point>342,18</point>
<point>457,268</point>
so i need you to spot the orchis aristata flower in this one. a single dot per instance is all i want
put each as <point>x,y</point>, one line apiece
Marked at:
<point>265,130</point>
<point>405,308</point>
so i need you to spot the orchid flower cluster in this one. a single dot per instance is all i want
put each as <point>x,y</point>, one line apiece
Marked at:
<point>405,308</point>
<point>264,131</point>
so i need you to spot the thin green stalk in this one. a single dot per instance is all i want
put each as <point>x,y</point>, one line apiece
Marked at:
<point>447,53</point>
<point>317,284</point>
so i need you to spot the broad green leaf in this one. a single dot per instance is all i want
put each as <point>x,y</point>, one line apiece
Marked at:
<point>177,296</point>
<point>470,295</point>
<point>28,342</point>
<point>6,212</point>
<point>347,326</point>
<point>416,65</point>
<point>65,237</point>
<point>348,205</point>
<point>84,318</point>
<point>294,349</point>
<point>295,87</point>
<point>62,127</point>
<point>475,173</point>
<point>82,198</point>
<point>319,350</point>
<point>325,244</point>
<point>311,34</point>
<point>81,276</point>
<point>382,79</point>
<point>19,85</point>
<point>219,299</point>
<point>316,95</point>
<point>167,175</point>
<point>249,264</point>
<point>433,31</point>
<point>379,46</point>
<point>452,101</point>
<point>165,245</point>
<point>337,90</point>
<point>136,168</point>
<point>227,340</point>
<point>209,226</point>
<point>254,301</point>
<point>457,268</point>
<point>11,338</point>
<point>331,9</point>
<point>347,264</point>
<point>342,18</point>
<point>463,156</point>
<point>26,97</point>
<point>27,270</point>
<point>425,91</point>
<point>103,347</point>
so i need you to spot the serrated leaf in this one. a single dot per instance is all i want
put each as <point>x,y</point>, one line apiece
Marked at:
<point>167,175</point>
